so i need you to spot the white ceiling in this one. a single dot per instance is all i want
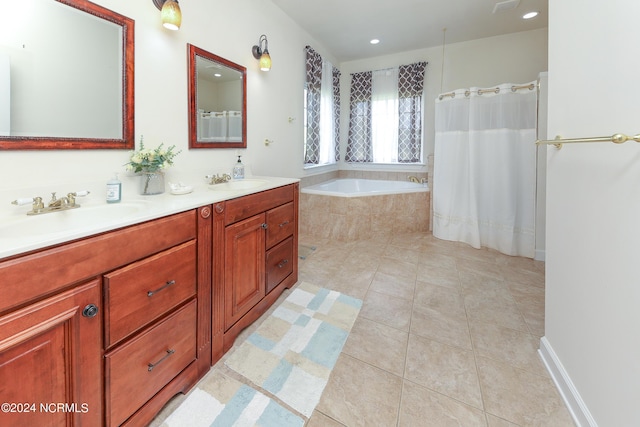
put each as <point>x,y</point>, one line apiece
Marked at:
<point>345,27</point>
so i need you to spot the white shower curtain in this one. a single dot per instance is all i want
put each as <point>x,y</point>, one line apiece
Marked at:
<point>485,169</point>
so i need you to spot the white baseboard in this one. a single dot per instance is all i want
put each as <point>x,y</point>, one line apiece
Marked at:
<point>539,255</point>
<point>568,391</point>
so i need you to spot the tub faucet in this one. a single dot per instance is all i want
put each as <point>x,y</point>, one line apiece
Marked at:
<point>415,179</point>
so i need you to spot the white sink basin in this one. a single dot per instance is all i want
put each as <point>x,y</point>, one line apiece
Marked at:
<point>63,221</point>
<point>241,184</point>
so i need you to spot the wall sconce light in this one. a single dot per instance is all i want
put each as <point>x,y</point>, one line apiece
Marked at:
<point>170,13</point>
<point>262,53</point>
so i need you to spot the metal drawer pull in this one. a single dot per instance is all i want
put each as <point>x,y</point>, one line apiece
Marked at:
<point>264,226</point>
<point>283,263</point>
<point>169,283</point>
<point>284,223</point>
<point>153,365</point>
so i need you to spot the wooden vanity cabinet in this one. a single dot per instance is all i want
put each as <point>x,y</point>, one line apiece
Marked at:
<point>256,237</point>
<point>111,326</point>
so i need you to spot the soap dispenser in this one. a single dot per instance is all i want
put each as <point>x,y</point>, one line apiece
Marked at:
<point>114,190</point>
<point>238,170</point>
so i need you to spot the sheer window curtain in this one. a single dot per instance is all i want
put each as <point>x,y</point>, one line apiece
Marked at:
<point>327,136</point>
<point>384,116</point>
<point>485,170</point>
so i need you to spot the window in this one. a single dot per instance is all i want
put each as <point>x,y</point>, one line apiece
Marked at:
<point>385,123</point>
<point>322,111</point>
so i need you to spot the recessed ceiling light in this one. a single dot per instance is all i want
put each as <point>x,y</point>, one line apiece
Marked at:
<point>374,41</point>
<point>529,15</point>
<point>218,75</point>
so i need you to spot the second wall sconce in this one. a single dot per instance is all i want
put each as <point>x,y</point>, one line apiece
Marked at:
<point>170,13</point>
<point>261,52</point>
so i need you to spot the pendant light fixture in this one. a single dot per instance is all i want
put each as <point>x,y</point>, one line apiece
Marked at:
<point>170,13</point>
<point>261,52</point>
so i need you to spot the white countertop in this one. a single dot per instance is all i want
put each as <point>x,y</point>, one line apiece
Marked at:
<point>20,232</point>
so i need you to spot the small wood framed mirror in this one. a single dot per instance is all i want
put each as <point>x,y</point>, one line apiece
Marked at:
<point>217,101</point>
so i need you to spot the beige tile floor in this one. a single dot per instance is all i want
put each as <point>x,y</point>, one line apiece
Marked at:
<point>447,336</point>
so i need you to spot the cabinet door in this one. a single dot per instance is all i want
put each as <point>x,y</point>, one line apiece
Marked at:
<point>244,271</point>
<point>50,361</point>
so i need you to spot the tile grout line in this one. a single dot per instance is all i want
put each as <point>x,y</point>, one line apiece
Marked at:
<point>473,347</point>
<point>406,352</point>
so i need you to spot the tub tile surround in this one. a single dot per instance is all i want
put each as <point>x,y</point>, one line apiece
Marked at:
<point>426,348</point>
<point>355,218</point>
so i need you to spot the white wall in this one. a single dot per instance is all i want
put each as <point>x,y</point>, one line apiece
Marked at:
<point>541,167</point>
<point>593,210</point>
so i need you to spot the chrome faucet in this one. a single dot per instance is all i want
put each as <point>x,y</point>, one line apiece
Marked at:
<point>54,205</point>
<point>415,179</point>
<point>217,179</point>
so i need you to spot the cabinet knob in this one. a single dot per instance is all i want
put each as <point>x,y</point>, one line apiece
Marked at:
<point>90,310</point>
<point>205,212</point>
<point>264,225</point>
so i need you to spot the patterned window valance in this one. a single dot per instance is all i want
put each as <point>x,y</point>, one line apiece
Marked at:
<point>314,99</point>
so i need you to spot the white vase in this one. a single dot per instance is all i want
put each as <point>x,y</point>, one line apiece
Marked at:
<point>151,183</point>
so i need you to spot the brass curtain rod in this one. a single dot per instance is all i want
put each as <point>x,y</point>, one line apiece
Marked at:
<point>514,88</point>
<point>617,138</point>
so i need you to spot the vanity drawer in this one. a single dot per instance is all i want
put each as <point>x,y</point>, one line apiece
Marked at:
<point>247,206</point>
<point>279,263</point>
<point>280,223</point>
<point>143,291</point>
<point>140,368</point>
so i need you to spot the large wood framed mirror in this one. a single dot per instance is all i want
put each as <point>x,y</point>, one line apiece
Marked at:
<point>217,101</point>
<point>66,76</point>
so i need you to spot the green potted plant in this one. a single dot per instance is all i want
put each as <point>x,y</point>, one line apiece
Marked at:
<point>150,164</point>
